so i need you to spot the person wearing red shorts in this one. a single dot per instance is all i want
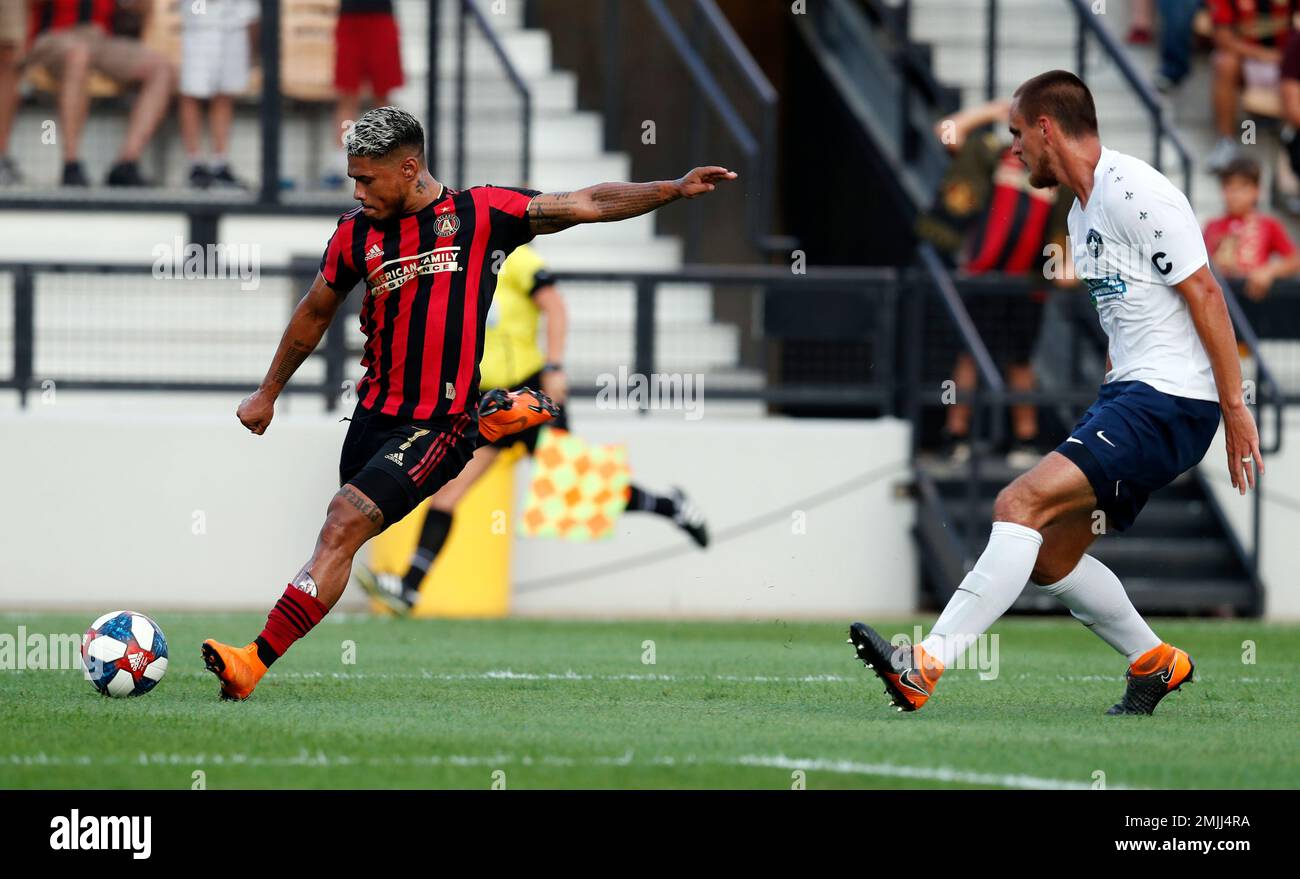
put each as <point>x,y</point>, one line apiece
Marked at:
<point>367,52</point>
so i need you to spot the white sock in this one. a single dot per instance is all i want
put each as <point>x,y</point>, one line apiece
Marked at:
<point>1097,599</point>
<point>986,592</point>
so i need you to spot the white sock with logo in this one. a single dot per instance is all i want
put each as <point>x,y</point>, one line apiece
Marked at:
<point>1097,599</point>
<point>986,592</point>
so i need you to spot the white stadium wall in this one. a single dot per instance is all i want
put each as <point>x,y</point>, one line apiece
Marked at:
<point>189,511</point>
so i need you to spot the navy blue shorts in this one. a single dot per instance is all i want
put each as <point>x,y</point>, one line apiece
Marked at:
<point>1135,440</point>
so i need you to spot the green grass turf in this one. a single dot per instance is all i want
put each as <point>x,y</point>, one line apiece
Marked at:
<point>736,705</point>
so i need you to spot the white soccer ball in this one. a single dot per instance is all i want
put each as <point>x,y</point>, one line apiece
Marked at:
<point>125,654</point>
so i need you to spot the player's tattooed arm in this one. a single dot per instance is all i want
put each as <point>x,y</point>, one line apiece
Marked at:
<point>306,327</point>
<point>609,202</point>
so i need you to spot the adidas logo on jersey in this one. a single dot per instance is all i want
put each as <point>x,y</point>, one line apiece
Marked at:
<point>375,252</point>
<point>396,458</point>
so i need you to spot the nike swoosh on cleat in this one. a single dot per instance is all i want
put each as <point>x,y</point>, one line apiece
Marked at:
<point>905,680</point>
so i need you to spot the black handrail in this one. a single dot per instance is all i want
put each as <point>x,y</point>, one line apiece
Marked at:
<point>759,151</point>
<point>990,378</point>
<point>1146,94</point>
<point>951,300</point>
<point>469,10</point>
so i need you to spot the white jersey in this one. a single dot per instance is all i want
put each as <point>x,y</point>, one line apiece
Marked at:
<point>1136,239</point>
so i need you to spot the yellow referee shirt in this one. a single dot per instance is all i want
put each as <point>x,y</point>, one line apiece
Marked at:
<point>510,350</point>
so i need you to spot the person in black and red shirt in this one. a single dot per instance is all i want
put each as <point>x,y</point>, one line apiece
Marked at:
<point>993,222</point>
<point>426,254</point>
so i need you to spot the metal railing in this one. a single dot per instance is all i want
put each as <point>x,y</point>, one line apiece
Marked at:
<point>205,209</point>
<point>1088,26</point>
<point>876,290</point>
<point>758,147</point>
<point>467,12</point>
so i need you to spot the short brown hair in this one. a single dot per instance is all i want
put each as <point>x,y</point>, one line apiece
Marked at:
<point>1247,169</point>
<point>1062,97</point>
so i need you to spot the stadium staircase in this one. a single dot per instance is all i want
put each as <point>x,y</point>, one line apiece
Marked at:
<point>1182,556</point>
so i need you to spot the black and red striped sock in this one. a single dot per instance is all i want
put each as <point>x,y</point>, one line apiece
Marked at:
<point>294,615</point>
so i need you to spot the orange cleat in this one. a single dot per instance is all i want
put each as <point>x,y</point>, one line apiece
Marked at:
<point>1156,673</point>
<point>502,413</point>
<point>238,668</point>
<point>908,673</point>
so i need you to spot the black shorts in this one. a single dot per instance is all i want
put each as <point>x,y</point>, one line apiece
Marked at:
<point>1008,323</point>
<point>397,462</point>
<point>529,437</point>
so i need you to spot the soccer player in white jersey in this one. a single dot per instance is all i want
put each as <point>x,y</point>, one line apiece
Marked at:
<point>1172,369</point>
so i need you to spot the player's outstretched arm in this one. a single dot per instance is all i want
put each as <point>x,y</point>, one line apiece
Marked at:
<point>306,327</point>
<point>1214,326</point>
<point>608,202</point>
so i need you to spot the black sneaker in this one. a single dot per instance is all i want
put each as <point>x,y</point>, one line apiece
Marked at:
<point>200,177</point>
<point>1144,691</point>
<point>908,672</point>
<point>223,177</point>
<point>954,447</point>
<point>74,174</point>
<point>9,173</point>
<point>387,589</point>
<point>125,174</point>
<point>689,518</point>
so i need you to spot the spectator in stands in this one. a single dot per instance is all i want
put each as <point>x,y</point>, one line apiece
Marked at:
<point>996,223</point>
<point>74,38</point>
<point>1249,36</point>
<point>1291,114</point>
<point>1246,245</point>
<point>13,33</point>
<point>367,51</point>
<point>1140,23</point>
<point>1177,20</point>
<point>214,68</point>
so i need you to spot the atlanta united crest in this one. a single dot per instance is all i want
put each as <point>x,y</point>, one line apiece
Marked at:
<point>446,225</point>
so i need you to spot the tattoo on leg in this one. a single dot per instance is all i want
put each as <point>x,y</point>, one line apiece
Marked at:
<point>368,509</point>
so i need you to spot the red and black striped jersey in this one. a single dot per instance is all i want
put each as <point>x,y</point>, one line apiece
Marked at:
<point>1017,224</point>
<point>1262,22</point>
<point>54,15</point>
<point>429,279</point>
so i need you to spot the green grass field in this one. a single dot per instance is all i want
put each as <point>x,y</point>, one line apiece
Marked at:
<point>573,705</point>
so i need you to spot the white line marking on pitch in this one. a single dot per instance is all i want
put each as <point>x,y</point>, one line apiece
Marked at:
<point>322,760</point>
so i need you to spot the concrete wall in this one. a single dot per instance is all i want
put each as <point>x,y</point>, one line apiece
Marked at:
<point>1281,515</point>
<point>131,508</point>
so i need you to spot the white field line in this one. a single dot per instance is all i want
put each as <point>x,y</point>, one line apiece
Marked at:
<point>320,760</point>
<point>507,674</point>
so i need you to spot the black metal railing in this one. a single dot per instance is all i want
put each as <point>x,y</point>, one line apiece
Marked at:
<point>468,13</point>
<point>270,195</point>
<point>1087,26</point>
<point>873,291</point>
<point>1162,128</point>
<point>757,143</point>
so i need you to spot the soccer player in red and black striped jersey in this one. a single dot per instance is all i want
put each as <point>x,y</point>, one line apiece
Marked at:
<point>426,254</point>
